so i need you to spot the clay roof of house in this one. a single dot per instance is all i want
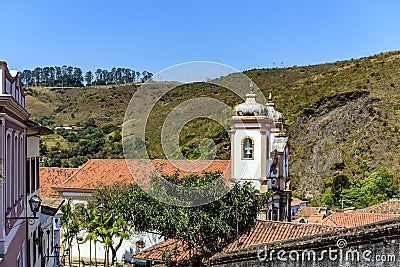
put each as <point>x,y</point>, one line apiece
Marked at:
<point>296,201</point>
<point>175,247</point>
<point>388,207</point>
<point>50,205</point>
<point>102,172</point>
<point>262,232</point>
<point>351,219</point>
<point>316,218</point>
<point>306,212</point>
<point>52,176</point>
<point>51,202</point>
<point>270,231</point>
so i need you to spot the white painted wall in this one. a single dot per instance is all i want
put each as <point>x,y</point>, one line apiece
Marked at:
<point>247,168</point>
<point>32,146</point>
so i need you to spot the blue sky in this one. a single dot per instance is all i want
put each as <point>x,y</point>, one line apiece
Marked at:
<point>153,35</point>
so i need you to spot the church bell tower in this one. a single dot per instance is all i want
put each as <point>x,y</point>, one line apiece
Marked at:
<point>259,153</point>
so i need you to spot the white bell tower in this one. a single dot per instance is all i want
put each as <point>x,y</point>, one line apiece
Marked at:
<point>249,143</point>
<point>259,153</point>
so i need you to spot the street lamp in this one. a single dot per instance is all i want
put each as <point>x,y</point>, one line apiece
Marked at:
<point>34,204</point>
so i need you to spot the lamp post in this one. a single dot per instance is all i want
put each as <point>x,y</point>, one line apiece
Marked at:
<point>34,204</point>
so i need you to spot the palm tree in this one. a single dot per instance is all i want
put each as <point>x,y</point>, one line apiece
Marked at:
<point>90,225</point>
<point>71,226</point>
<point>109,227</point>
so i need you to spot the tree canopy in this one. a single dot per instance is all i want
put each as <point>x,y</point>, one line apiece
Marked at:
<point>203,229</point>
<point>376,188</point>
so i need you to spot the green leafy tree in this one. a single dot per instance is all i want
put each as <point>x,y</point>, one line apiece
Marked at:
<point>88,77</point>
<point>90,123</point>
<point>106,223</point>
<point>339,183</point>
<point>72,226</point>
<point>376,188</point>
<point>205,229</point>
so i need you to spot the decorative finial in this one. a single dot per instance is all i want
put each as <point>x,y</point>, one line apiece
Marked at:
<point>270,97</point>
<point>251,86</point>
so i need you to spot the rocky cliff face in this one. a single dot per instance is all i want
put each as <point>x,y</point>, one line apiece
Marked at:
<point>318,137</point>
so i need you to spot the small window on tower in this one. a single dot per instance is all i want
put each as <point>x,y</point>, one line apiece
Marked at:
<point>247,148</point>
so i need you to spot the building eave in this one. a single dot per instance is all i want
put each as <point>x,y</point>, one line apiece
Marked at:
<point>9,103</point>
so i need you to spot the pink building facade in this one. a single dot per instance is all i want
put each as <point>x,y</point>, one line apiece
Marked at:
<point>13,115</point>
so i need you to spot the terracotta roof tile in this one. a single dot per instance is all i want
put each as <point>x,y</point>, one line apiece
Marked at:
<point>306,212</point>
<point>297,201</point>
<point>51,176</point>
<point>350,219</point>
<point>388,207</point>
<point>270,231</point>
<point>316,218</point>
<point>101,172</point>
<point>176,248</point>
<point>261,232</point>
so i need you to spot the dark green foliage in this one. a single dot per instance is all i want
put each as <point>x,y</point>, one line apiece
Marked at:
<point>89,142</point>
<point>78,161</point>
<point>46,121</point>
<point>108,127</point>
<point>90,123</point>
<point>340,182</point>
<point>376,188</point>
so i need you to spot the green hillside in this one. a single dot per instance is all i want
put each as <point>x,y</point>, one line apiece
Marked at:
<point>344,117</point>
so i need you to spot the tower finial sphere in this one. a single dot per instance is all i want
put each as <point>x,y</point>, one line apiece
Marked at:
<point>251,86</point>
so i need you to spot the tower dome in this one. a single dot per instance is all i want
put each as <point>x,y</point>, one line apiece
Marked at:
<point>271,112</point>
<point>250,107</point>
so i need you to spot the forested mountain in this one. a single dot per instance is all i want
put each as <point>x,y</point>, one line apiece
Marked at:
<point>73,76</point>
<point>344,118</point>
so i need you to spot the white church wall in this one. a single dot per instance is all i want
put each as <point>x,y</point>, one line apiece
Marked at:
<point>247,168</point>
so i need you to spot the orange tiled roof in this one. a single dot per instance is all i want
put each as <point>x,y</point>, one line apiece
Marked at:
<point>270,231</point>
<point>306,212</point>
<point>52,176</point>
<point>316,218</point>
<point>262,232</point>
<point>296,201</point>
<point>350,219</point>
<point>388,207</point>
<point>101,172</point>
<point>175,247</point>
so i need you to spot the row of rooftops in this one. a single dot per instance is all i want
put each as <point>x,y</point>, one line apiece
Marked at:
<point>106,172</point>
<point>275,233</point>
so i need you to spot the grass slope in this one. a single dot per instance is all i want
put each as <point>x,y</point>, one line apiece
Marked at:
<point>344,117</point>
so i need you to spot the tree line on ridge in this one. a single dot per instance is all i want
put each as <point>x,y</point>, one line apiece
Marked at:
<point>73,76</point>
